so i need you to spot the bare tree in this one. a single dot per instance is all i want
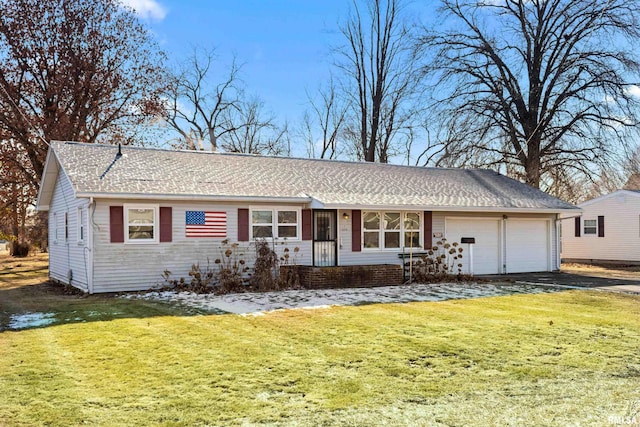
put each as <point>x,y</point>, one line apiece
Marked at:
<point>16,193</point>
<point>380,74</point>
<point>203,104</point>
<point>82,70</point>
<point>73,70</point>
<point>539,88</point>
<point>324,123</point>
<point>257,133</point>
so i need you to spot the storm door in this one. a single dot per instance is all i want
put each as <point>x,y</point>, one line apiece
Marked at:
<point>325,233</point>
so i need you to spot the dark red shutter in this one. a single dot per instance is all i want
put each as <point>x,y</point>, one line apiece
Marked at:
<point>243,225</point>
<point>116,224</point>
<point>428,230</point>
<point>307,224</point>
<point>166,226</point>
<point>356,231</point>
<point>601,226</point>
<point>577,219</point>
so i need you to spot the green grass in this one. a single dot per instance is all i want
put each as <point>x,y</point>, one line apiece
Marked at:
<point>547,359</point>
<point>491,360</point>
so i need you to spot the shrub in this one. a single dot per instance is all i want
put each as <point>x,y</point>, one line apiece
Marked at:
<point>202,281</point>
<point>265,268</point>
<point>291,278</point>
<point>442,262</point>
<point>231,268</point>
<point>229,272</point>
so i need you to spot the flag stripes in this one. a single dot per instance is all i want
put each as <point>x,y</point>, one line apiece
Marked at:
<point>206,224</point>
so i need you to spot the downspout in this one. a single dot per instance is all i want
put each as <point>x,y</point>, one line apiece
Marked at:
<point>559,238</point>
<point>90,243</point>
<point>504,243</point>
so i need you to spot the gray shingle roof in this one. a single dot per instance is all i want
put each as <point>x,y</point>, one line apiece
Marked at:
<point>95,170</point>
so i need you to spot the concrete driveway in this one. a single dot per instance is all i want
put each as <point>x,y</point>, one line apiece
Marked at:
<point>569,280</point>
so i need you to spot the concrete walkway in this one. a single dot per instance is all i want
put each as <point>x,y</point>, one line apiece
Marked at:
<point>569,280</point>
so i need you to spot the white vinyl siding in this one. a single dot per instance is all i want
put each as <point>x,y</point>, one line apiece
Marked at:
<point>68,261</point>
<point>621,241</point>
<point>125,267</point>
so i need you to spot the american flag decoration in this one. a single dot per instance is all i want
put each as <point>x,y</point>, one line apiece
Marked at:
<point>206,224</point>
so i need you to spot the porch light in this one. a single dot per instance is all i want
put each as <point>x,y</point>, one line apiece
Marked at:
<point>345,216</point>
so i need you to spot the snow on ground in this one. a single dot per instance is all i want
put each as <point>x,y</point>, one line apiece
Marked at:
<point>256,303</point>
<point>31,320</point>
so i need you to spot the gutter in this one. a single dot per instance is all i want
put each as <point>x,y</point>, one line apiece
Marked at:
<point>192,197</point>
<point>484,209</point>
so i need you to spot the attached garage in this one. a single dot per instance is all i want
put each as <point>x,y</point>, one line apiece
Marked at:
<point>528,245</point>
<point>516,245</point>
<point>486,250</point>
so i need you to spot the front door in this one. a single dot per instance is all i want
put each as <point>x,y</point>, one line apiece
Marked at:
<point>325,235</point>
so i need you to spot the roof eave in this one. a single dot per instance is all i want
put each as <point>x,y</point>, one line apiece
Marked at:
<point>48,181</point>
<point>447,208</point>
<point>194,197</point>
<point>598,199</point>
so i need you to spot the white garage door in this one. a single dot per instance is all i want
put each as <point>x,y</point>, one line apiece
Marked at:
<point>527,246</point>
<point>486,251</point>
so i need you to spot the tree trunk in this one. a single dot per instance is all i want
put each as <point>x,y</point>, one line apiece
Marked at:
<point>532,170</point>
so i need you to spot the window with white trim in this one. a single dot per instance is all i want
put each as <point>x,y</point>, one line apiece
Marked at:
<point>66,227</point>
<point>81,226</point>
<point>412,228</point>
<point>391,230</point>
<point>590,226</point>
<point>275,223</point>
<point>55,227</point>
<point>141,224</point>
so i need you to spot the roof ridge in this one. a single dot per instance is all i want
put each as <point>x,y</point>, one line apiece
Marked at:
<point>253,155</point>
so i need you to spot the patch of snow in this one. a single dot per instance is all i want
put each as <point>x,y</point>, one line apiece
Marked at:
<point>31,320</point>
<point>261,302</point>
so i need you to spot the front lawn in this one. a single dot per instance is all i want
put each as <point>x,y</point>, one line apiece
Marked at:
<point>546,359</point>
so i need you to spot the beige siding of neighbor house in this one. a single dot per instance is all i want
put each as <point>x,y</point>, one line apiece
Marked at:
<point>621,241</point>
<point>68,257</point>
<point>130,266</point>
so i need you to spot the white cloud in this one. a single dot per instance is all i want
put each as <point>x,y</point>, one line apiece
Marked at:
<point>634,90</point>
<point>147,9</point>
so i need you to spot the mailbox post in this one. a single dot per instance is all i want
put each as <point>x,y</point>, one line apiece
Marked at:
<point>470,241</point>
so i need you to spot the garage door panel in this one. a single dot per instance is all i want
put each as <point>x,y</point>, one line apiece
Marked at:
<point>527,246</point>
<point>486,250</point>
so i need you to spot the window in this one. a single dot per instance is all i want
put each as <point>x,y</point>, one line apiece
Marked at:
<point>275,223</point>
<point>391,225</point>
<point>81,219</point>
<point>412,230</point>
<point>141,224</point>
<point>590,226</point>
<point>391,230</point>
<point>66,226</point>
<point>371,227</point>
<point>55,228</point>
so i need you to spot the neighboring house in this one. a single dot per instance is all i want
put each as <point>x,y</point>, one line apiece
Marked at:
<point>608,231</point>
<point>118,219</point>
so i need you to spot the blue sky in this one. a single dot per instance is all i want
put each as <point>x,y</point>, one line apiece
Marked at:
<point>283,44</point>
